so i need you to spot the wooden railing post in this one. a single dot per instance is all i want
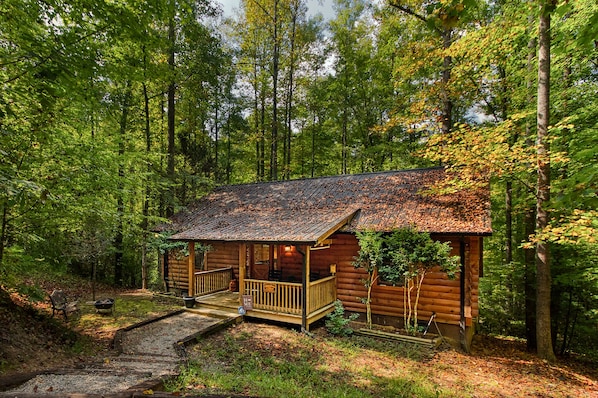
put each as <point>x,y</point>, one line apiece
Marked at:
<point>191,268</point>
<point>308,280</point>
<point>242,265</point>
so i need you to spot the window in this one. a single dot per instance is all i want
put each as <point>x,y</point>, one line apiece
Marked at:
<point>261,254</point>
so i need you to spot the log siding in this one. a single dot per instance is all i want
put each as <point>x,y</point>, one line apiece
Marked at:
<point>439,294</point>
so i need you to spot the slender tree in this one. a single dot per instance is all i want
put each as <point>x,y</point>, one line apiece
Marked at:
<point>543,323</point>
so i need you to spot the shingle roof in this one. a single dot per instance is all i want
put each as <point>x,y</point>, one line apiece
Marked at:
<point>309,210</point>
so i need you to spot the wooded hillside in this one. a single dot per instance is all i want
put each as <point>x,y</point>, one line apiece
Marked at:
<point>114,115</point>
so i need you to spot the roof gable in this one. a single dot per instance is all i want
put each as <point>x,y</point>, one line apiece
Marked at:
<point>309,210</point>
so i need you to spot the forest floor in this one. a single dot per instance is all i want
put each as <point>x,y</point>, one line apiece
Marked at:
<point>30,340</point>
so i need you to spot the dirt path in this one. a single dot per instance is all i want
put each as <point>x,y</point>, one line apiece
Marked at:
<point>150,352</point>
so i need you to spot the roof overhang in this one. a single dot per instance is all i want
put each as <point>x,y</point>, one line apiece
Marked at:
<point>297,226</point>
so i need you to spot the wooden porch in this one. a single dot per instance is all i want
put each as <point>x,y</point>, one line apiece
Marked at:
<point>284,301</point>
<point>264,299</point>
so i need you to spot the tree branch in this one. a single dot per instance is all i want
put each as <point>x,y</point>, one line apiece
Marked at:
<point>48,57</point>
<point>411,12</point>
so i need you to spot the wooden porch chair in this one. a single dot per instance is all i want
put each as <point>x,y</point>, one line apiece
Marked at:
<point>61,304</point>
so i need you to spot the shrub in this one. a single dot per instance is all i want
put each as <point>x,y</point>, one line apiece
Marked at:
<point>336,323</point>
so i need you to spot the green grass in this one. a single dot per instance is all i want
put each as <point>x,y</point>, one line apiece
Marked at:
<point>239,363</point>
<point>128,310</point>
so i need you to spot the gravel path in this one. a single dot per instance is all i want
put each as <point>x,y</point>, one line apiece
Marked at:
<point>148,353</point>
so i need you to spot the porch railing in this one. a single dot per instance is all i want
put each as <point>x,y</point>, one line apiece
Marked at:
<point>275,296</point>
<point>211,281</point>
<point>321,293</point>
<point>285,297</point>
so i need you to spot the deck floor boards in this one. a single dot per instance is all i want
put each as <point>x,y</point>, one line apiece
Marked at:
<point>224,299</point>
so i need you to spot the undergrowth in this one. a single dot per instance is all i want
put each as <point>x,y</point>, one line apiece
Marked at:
<point>236,362</point>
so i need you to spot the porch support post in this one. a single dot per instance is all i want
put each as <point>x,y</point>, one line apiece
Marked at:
<point>242,270</point>
<point>191,268</point>
<point>308,280</point>
<point>462,294</point>
<point>305,289</point>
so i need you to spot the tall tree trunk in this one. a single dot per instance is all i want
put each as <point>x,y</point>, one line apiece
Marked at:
<point>216,137</point>
<point>504,114</point>
<point>530,282</point>
<point>3,233</point>
<point>262,138</point>
<point>543,324</point>
<point>146,198</point>
<point>228,149</point>
<point>289,96</point>
<point>313,145</point>
<point>447,64</point>
<point>171,111</point>
<point>120,202</point>
<point>275,61</point>
<point>509,222</point>
<point>256,120</point>
<point>529,216</point>
<point>344,141</point>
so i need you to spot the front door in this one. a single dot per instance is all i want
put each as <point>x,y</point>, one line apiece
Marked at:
<point>264,258</point>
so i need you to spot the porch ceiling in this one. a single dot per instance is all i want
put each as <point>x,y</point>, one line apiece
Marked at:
<point>303,226</point>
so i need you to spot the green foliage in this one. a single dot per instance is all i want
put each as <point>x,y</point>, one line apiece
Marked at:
<point>371,250</point>
<point>84,148</point>
<point>403,257</point>
<point>370,257</point>
<point>337,323</point>
<point>410,253</point>
<point>162,243</point>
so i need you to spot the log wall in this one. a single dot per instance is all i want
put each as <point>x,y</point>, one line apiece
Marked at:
<point>292,263</point>
<point>439,294</point>
<point>178,271</point>
<point>223,255</point>
<point>220,255</point>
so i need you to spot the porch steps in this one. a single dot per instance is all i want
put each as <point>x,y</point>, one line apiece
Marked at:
<point>214,311</point>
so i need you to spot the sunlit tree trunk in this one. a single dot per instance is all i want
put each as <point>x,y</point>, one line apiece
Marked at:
<point>543,324</point>
<point>171,111</point>
<point>530,214</point>
<point>447,102</point>
<point>275,63</point>
<point>146,198</point>
<point>120,202</point>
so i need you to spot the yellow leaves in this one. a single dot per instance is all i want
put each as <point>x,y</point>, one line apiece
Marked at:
<point>578,228</point>
<point>559,157</point>
<point>479,151</point>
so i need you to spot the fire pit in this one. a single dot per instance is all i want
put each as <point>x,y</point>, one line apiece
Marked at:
<point>104,305</point>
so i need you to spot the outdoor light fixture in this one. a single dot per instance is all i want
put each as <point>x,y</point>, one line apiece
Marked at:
<point>332,269</point>
<point>288,248</point>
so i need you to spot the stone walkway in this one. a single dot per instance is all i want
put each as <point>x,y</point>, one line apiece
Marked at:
<point>150,352</point>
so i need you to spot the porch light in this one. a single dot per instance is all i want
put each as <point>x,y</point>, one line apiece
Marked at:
<point>288,248</point>
<point>332,269</point>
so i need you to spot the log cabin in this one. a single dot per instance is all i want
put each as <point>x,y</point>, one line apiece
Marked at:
<point>291,246</point>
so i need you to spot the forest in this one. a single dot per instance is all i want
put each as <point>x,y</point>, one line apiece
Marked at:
<point>116,114</point>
